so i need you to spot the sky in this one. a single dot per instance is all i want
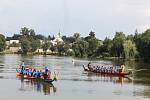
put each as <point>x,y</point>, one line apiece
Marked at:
<point>48,17</point>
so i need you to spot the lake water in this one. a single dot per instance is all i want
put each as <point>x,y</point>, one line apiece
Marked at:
<point>73,83</point>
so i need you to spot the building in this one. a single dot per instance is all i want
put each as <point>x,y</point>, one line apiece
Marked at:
<point>41,51</point>
<point>58,39</point>
<point>11,42</point>
<point>14,49</point>
<point>12,46</point>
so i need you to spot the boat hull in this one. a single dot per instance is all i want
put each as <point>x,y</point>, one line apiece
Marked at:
<point>107,73</point>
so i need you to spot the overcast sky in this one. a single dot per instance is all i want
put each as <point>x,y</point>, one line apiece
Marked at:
<point>104,17</point>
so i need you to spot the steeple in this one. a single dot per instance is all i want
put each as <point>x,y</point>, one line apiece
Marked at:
<point>59,34</point>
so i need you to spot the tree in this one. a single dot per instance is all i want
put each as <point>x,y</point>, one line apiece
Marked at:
<point>93,44</point>
<point>24,31</point>
<point>53,48</point>
<point>76,36</point>
<point>32,33</point>
<point>130,37</point>
<point>35,44</point>
<point>107,45</point>
<point>49,37</point>
<point>68,39</point>
<point>16,37</point>
<point>80,48</point>
<point>118,41</point>
<point>46,46</point>
<point>60,48</point>
<point>143,45</point>
<point>41,37</point>
<point>105,49</point>
<point>25,46</point>
<point>66,47</point>
<point>2,42</point>
<point>92,34</point>
<point>129,49</point>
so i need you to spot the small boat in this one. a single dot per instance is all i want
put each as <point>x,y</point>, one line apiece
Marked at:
<point>107,73</point>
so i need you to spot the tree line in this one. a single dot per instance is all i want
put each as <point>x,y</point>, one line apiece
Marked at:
<point>135,46</point>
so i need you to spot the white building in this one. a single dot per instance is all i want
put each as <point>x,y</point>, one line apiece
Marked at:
<point>13,41</point>
<point>58,39</point>
<point>41,51</point>
<point>8,43</point>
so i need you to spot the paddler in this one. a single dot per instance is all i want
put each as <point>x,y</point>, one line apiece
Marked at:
<point>89,65</point>
<point>22,66</point>
<point>46,73</point>
<point>46,70</point>
<point>122,68</point>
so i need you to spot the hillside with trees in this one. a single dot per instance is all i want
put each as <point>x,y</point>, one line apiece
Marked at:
<point>135,46</point>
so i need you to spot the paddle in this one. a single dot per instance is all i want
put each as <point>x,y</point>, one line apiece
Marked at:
<point>55,75</point>
<point>136,70</point>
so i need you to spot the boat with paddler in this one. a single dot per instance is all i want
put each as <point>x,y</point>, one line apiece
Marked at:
<point>38,79</point>
<point>106,72</point>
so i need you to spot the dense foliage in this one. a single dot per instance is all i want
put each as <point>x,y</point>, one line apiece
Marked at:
<point>121,46</point>
<point>29,41</point>
<point>2,42</point>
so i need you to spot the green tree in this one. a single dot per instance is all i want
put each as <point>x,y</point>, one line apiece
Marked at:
<point>41,37</point>
<point>130,50</point>
<point>53,48</point>
<point>25,31</point>
<point>130,37</point>
<point>35,44</point>
<point>66,47</point>
<point>107,45</point>
<point>104,50</point>
<point>80,48</point>
<point>60,48</point>
<point>46,46</point>
<point>76,36</point>
<point>92,34</point>
<point>143,44</point>
<point>32,33</point>
<point>2,42</point>
<point>118,41</point>
<point>49,37</point>
<point>68,39</point>
<point>25,46</point>
<point>32,40</point>
<point>94,44</point>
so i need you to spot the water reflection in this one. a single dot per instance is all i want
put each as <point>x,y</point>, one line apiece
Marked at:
<point>72,80</point>
<point>42,87</point>
<point>109,78</point>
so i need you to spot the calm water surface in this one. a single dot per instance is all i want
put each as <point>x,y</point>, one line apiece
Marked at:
<point>73,82</point>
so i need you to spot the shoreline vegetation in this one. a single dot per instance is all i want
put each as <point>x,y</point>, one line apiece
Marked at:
<point>130,47</point>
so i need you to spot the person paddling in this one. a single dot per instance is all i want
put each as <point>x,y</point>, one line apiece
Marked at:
<point>46,73</point>
<point>46,70</point>
<point>89,65</point>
